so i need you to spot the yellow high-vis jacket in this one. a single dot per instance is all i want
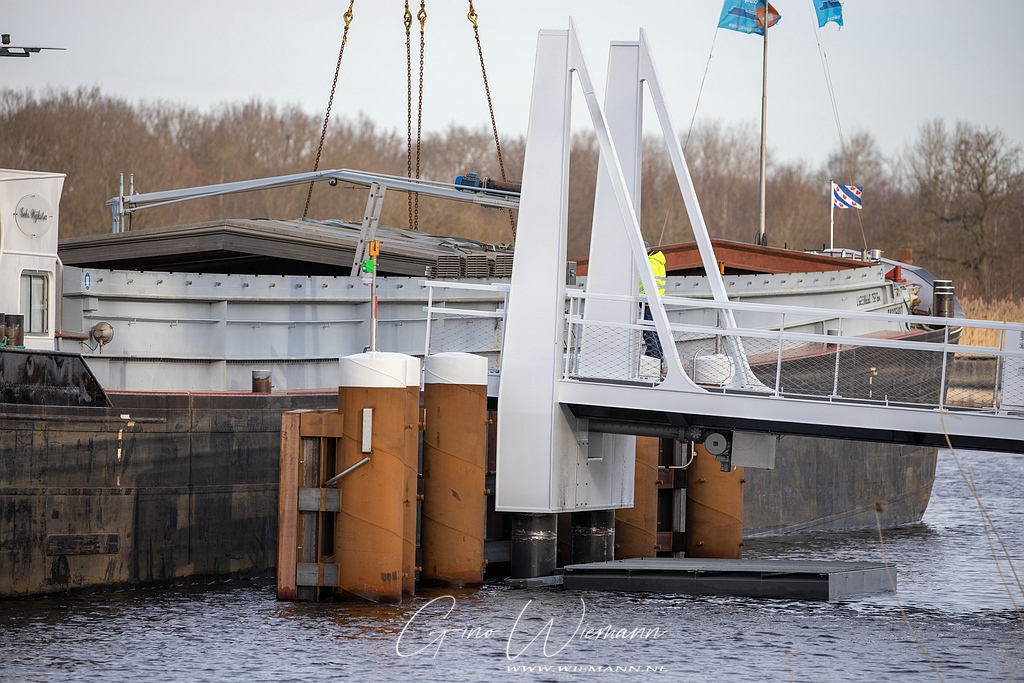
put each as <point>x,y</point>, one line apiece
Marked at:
<point>657,260</point>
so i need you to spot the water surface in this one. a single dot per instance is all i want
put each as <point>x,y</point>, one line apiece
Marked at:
<point>949,585</point>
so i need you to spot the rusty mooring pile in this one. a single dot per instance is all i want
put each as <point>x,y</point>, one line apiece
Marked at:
<point>349,507</point>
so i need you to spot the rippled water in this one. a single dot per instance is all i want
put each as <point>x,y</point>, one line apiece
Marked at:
<point>949,585</point>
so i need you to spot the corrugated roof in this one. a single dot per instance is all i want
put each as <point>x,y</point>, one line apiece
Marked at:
<point>274,247</point>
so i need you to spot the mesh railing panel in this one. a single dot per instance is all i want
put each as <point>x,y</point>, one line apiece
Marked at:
<point>468,334</point>
<point>972,381</point>
<point>1010,380</point>
<point>609,352</point>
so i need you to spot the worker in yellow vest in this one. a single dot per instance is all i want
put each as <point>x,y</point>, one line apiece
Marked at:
<point>652,346</point>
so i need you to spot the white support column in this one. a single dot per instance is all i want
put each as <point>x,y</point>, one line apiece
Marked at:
<point>219,346</point>
<point>532,428</point>
<point>547,462</point>
<point>612,266</point>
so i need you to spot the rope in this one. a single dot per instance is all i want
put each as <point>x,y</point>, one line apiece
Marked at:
<point>880,507</point>
<point>707,66</point>
<point>987,524</point>
<point>473,16</point>
<point>327,117</point>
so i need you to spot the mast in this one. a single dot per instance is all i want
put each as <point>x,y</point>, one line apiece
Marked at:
<point>832,214</point>
<point>762,238</point>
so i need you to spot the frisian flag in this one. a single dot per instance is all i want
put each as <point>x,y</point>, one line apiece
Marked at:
<point>847,196</point>
<point>748,16</point>
<point>828,10</point>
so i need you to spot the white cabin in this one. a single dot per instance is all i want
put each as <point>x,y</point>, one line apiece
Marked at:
<point>29,267</point>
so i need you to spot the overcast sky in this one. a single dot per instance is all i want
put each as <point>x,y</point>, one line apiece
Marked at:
<point>895,65</point>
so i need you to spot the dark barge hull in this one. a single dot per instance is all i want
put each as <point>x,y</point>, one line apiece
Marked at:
<point>833,485</point>
<point>158,488</point>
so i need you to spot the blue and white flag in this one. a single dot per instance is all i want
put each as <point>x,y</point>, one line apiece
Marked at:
<point>828,10</point>
<point>748,16</point>
<point>847,196</point>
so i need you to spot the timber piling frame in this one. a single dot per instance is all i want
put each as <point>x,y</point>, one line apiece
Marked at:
<point>308,444</point>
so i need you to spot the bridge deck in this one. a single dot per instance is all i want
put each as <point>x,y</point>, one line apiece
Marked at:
<point>632,410</point>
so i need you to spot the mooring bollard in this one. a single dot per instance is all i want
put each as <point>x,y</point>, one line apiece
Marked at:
<point>369,533</point>
<point>454,469</point>
<point>261,381</point>
<point>943,294</point>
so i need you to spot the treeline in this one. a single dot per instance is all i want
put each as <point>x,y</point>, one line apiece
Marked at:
<point>954,195</point>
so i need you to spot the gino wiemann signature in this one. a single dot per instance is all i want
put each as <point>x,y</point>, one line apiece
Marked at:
<point>422,625</point>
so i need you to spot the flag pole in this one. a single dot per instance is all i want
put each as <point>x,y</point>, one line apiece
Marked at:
<point>762,238</point>
<point>831,212</point>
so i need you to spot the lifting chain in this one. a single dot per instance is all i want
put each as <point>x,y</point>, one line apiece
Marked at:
<point>413,197</point>
<point>422,16</point>
<point>330,101</point>
<point>408,102</point>
<point>473,16</point>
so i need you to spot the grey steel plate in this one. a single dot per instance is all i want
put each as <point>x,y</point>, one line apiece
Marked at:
<point>793,579</point>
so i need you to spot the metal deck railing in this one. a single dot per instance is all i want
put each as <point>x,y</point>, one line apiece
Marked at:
<point>470,324</point>
<point>795,351</point>
<point>883,358</point>
<point>865,373</point>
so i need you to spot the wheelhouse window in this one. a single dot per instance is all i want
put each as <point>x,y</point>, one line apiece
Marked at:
<point>35,302</point>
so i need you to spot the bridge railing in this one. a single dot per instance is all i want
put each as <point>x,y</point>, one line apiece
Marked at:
<point>467,317</point>
<point>798,351</point>
<point>884,358</point>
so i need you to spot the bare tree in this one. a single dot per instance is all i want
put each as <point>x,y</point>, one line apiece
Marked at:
<point>857,162</point>
<point>724,163</point>
<point>964,182</point>
<point>956,197</point>
<point>796,212</point>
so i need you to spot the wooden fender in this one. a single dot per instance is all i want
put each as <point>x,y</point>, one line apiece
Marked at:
<point>636,528</point>
<point>714,508</point>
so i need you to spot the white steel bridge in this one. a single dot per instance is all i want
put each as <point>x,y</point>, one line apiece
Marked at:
<point>576,383</point>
